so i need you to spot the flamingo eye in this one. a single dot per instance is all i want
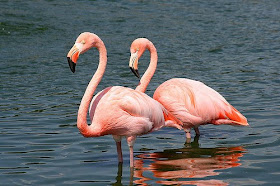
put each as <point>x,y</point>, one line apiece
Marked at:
<point>83,42</point>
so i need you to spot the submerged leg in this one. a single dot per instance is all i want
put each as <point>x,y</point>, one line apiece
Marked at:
<point>131,176</point>
<point>130,142</point>
<point>119,147</point>
<point>119,174</point>
<point>188,135</point>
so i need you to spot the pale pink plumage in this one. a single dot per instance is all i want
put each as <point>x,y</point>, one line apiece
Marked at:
<point>123,111</point>
<point>192,102</point>
<point>116,110</point>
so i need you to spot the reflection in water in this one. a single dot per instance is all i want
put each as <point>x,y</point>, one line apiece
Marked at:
<point>189,162</point>
<point>119,176</point>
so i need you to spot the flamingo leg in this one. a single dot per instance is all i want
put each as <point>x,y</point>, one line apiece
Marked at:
<point>119,174</point>
<point>196,131</point>
<point>131,176</point>
<point>131,156</point>
<point>119,150</point>
<point>130,142</point>
<point>118,140</point>
<point>188,133</point>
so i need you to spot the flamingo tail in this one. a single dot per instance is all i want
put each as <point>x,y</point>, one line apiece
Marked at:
<point>231,117</point>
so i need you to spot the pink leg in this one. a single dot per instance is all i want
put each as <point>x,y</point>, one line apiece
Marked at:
<point>130,142</point>
<point>119,150</point>
<point>118,140</point>
<point>131,156</point>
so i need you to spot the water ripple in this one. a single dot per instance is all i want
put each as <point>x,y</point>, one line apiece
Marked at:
<point>231,46</point>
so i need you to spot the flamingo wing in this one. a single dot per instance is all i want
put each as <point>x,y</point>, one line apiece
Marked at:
<point>142,105</point>
<point>125,112</point>
<point>95,100</point>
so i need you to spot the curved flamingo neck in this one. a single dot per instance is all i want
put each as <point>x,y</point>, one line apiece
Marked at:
<point>146,78</point>
<point>84,128</point>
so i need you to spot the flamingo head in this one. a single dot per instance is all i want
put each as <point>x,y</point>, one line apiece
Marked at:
<point>83,43</point>
<point>137,48</point>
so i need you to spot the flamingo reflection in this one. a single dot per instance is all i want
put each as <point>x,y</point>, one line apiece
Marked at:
<point>173,165</point>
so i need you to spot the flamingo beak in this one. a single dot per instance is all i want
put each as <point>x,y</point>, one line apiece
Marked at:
<point>73,56</point>
<point>133,64</point>
<point>72,65</point>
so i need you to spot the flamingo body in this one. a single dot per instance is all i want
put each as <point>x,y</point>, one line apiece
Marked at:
<point>123,111</point>
<point>190,101</point>
<point>194,103</point>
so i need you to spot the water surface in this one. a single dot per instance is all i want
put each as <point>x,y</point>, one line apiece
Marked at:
<point>232,46</point>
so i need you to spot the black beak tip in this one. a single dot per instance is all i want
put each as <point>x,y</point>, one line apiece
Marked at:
<point>135,72</point>
<point>72,65</point>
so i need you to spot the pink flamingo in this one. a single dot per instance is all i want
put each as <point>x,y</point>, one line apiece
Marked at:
<point>190,101</point>
<point>119,111</point>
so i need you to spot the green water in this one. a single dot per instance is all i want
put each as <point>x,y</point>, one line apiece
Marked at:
<point>232,46</point>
